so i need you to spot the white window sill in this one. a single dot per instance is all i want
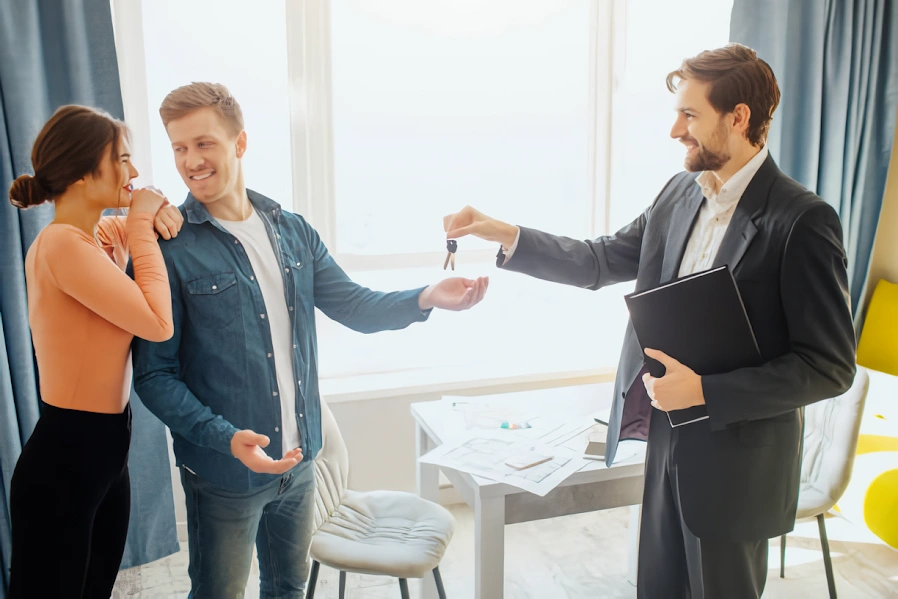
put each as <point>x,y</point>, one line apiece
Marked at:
<point>445,381</point>
<point>525,331</point>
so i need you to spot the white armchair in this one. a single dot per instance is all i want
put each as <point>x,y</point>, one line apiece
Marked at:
<point>386,533</point>
<point>831,429</point>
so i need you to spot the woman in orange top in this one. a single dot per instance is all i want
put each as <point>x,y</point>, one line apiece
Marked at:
<point>70,492</point>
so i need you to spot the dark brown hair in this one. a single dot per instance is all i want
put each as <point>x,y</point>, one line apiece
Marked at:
<point>188,98</point>
<point>737,76</point>
<point>70,146</point>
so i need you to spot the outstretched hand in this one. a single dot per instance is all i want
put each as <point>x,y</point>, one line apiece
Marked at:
<point>247,447</point>
<point>454,294</point>
<point>469,221</point>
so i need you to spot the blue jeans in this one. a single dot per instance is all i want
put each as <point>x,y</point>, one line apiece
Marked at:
<point>222,527</point>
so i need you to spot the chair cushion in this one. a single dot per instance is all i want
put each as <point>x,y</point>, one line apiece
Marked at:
<point>386,533</point>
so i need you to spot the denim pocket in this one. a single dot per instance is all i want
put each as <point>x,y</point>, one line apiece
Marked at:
<point>213,301</point>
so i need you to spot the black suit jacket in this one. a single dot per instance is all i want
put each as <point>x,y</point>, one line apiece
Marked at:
<point>739,472</point>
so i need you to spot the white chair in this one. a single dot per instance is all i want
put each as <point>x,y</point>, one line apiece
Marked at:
<point>386,533</point>
<point>831,429</point>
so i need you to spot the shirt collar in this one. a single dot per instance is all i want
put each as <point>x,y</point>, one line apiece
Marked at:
<point>731,191</point>
<point>197,213</point>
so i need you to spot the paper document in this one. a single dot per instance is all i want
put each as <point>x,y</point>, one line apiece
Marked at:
<point>475,442</point>
<point>630,451</point>
<point>486,457</point>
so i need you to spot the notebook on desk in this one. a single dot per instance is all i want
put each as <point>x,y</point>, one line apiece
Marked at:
<point>700,321</point>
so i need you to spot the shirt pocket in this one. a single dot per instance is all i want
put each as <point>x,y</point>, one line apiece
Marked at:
<point>303,282</point>
<point>213,301</point>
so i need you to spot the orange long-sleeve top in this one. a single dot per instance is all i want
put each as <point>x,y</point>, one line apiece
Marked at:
<point>84,310</point>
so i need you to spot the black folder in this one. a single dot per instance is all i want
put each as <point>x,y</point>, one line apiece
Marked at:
<point>700,321</point>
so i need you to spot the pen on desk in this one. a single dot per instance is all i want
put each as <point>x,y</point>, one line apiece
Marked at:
<point>513,425</point>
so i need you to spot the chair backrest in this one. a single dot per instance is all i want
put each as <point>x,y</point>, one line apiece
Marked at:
<point>831,431</point>
<point>331,468</point>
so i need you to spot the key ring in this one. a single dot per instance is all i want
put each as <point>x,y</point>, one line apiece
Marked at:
<point>451,247</point>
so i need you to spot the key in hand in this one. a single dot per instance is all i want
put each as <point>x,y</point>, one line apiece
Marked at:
<point>451,247</point>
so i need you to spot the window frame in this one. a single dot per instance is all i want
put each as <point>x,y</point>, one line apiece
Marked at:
<point>311,102</point>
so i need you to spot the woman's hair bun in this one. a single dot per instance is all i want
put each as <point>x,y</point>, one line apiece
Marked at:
<point>26,191</point>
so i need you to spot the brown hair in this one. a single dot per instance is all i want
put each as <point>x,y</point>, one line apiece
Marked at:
<point>195,96</point>
<point>70,146</point>
<point>737,76</point>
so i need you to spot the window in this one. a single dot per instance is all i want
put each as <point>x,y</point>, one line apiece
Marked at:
<point>240,45</point>
<point>659,34</point>
<point>445,103</point>
<point>374,118</point>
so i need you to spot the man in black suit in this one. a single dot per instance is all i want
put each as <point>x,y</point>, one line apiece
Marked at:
<point>718,488</point>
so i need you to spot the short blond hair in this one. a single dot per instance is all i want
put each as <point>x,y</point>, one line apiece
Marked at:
<point>197,95</point>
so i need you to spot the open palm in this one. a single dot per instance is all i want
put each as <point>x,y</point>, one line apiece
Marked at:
<point>455,294</point>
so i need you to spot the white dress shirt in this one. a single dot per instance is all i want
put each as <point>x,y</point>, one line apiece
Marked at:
<point>715,214</point>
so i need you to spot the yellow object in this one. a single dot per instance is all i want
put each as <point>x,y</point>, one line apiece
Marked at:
<point>878,348</point>
<point>871,499</point>
<point>881,505</point>
<point>874,443</point>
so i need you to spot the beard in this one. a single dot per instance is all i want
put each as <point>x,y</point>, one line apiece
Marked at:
<point>706,158</point>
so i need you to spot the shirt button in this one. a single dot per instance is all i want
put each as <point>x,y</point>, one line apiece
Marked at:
<point>269,355</point>
<point>294,347</point>
<point>299,264</point>
<point>262,316</point>
<point>252,278</point>
<point>286,270</point>
<point>274,394</point>
<point>300,415</point>
<point>214,287</point>
<point>237,242</point>
<point>277,430</point>
<point>291,308</point>
<point>299,382</point>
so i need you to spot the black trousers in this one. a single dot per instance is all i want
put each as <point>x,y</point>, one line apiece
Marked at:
<point>673,562</point>
<point>70,501</point>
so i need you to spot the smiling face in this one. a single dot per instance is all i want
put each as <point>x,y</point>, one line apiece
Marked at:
<point>207,154</point>
<point>110,186</point>
<point>704,131</point>
<point>725,100</point>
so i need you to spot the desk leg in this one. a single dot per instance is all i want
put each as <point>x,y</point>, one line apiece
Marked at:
<point>428,485</point>
<point>633,543</point>
<point>427,475</point>
<point>489,547</point>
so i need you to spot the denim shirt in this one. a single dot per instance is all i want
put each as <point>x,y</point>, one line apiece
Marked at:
<point>213,377</point>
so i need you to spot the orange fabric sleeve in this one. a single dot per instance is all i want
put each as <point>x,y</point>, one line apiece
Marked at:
<point>144,309</point>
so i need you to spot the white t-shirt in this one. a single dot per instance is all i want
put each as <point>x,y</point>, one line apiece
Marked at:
<point>254,237</point>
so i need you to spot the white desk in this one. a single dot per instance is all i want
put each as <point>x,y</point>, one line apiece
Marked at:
<point>595,487</point>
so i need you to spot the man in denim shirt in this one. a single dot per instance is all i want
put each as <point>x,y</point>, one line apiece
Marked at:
<point>239,378</point>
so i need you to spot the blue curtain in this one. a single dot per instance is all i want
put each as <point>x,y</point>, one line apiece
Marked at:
<point>55,52</point>
<point>836,62</point>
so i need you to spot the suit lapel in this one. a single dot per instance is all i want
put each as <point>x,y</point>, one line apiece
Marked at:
<point>681,222</point>
<point>736,240</point>
<point>742,228</point>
